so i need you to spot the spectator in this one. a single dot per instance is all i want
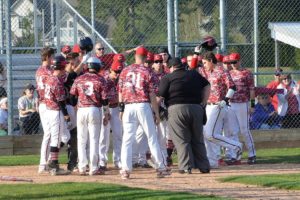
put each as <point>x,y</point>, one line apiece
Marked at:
<point>2,81</point>
<point>273,85</point>
<point>289,102</point>
<point>3,117</point>
<point>264,116</point>
<point>29,117</point>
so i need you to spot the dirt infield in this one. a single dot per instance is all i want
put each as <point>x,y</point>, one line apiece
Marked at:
<point>196,183</point>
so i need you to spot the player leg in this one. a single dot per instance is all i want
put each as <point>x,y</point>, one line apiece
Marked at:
<point>103,141</point>
<point>72,143</point>
<point>242,113</point>
<point>130,125</point>
<point>116,126</point>
<point>95,116</point>
<point>82,139</point>
<point>45,147</point>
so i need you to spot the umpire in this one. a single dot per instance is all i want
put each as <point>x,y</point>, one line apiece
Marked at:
<point>185,94</point>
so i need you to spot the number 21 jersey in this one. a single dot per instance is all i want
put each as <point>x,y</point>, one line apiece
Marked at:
<point>135,84</point>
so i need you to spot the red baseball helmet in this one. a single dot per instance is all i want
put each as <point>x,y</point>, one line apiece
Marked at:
<point>119,57</point>
<point>226,59</point>
<point>117,66</point>
<point>219,57</point>
<point>66,49</point>
<point>142,51</point>
<point>150,57</point>
<point>234,57</point>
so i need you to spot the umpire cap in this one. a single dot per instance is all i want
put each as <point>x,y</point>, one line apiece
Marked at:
<point>175,62</point>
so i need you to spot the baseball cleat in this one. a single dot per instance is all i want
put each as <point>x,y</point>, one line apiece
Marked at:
<point>97,172</point>
<point>59,172</point>
<point>124,174</point>
<point>233,161</point>
<point>163,173</point>
<point>204,171</point>
<point>186,171</point>
<point>251,160</point>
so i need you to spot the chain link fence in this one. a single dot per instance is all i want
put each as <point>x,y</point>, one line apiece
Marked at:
<point>122,25</point>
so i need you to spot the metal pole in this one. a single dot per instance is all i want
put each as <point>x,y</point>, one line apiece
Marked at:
<point>176,28</point>
<point>93,19</point>
<point>256,41</point>
<point>222,26</point>
<point>58,6</point>
<point>276,55</point>
<point>1,27</point>
<point>43,26</point>
<point>75,29</point>
<point>52,22</point>
<point>35,25</point>
<point>9,69</point>
<point>170,17</point>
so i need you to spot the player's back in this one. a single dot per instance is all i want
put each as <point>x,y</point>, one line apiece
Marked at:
<point>89,88</point>
<point>135,84</point>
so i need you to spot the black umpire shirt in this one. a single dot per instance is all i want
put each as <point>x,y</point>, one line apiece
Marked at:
<point>182,87</point>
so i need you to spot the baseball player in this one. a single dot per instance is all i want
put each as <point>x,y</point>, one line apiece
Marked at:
<point>90,89</point>
<point>243,79</point>
<point>114,123</point>
<point>135,93</point>
<point>220,82</point>
<point>42,73</point>
<point>56,113</point>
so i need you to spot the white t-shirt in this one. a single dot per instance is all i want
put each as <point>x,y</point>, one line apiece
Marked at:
<point>24,103</point>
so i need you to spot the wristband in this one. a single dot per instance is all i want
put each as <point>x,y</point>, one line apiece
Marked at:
<point>121,106</point>
<point>252,103</point>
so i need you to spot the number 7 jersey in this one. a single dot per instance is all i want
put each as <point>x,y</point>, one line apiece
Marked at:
<point>90,89</point>
<point>135,84</point>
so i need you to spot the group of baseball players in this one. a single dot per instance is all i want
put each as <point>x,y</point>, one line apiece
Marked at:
<point>83,97</point>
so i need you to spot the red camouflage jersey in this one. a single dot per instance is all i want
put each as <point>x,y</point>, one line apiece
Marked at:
<point>157,77</point>
<point>220,81</point>
<point>54,92</point>
<point>42,73</point>
<point>90,89</point>
<point>112,92</point>
<point>244,82</point>
<point>136,83</point>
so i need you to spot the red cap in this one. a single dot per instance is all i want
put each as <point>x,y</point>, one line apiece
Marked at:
<point>66,49</point>
<point>219,57</point>
<point>119,57</point>
<point>142,51</point>
<point>184,60</point>
<point>116,66</point>
<point>76,49</point>
<point>150,57</point>
<point>157,57</point>
<point>234,57</point>
<point>199,57</point>
<point>226,59</point>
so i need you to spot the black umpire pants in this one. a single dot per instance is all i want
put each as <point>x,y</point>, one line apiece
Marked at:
<point>186,130</point>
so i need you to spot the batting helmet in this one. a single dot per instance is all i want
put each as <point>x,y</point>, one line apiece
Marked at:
<point>86,43</point>
<point>94,63</point>
<point>59,63</point>
<point>209,43</point>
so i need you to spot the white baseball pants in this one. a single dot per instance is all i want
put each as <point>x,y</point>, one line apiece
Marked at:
<point>139,147</point>
<point>134,115</point>
<point>115,125</point>
<point>213,133</point>
<point>46,137</point>
<point>89,121</point>
<point>241,122</point>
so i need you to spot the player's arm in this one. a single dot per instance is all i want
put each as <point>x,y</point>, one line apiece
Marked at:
<point>206,93</point>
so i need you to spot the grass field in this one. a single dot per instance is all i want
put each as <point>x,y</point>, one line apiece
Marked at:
<point>282,181</point>
<point>264,156</point>
<point>83,191</point>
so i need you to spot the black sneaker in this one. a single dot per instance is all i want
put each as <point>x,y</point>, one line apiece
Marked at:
<point>204,171</point>
<point>186,171</point>
<point>251,160</point>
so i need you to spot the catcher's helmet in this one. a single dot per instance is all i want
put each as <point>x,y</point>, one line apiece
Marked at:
<point>86,43</point>
<point>59,63</point>
<point>94,63</point>
<point>209,43</point>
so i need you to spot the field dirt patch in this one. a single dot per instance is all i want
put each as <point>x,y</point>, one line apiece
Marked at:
<point>196,182</point>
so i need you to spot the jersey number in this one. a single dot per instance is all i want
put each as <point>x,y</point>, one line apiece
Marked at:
<point>135,80</point>
<point>89,88</point>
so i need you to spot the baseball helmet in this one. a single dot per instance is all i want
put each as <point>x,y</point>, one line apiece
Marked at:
<point>94,63</point>
<point>66,49</point>
<point>86,44</point>
<point>209,43</point>
<point>59,63</point>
